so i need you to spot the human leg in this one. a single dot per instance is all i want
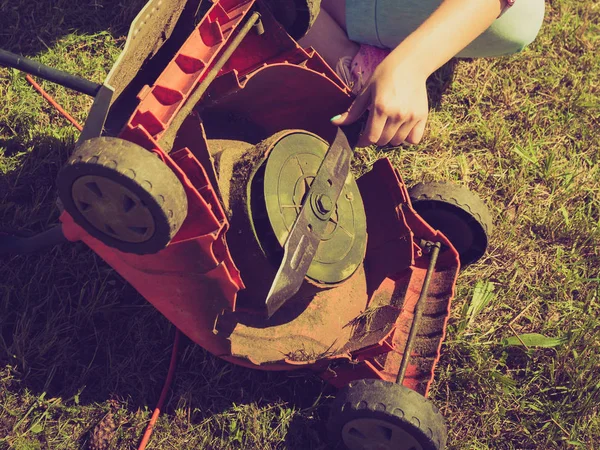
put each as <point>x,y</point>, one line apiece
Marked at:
<point>386,23</point>
<point>515,29</point>
<point>329,39</point>
<point>337,10</point>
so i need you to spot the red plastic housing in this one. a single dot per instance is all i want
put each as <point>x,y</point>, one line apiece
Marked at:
<point>194,281</point>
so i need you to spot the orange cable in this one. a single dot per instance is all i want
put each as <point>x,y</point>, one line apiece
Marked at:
<point>50,100</point>
<point>163,394</point>
<point>168,381</point>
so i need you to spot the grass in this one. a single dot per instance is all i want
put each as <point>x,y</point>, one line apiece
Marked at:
<point>77,342</point>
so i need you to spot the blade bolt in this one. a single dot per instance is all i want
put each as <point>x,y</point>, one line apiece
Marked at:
<point>324,204</point>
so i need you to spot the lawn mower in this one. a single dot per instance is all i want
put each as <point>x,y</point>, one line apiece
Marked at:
<point>209,176</point>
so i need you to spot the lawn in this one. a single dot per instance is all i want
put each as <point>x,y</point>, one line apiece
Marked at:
<point>79,347</point>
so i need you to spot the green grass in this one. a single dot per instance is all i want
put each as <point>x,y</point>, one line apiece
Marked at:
<point>77,342</point>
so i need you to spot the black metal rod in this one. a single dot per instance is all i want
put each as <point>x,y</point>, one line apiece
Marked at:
<point>418,313</point>
<point>48,73</point>
<point>18,245</point>
<point>169,137</point>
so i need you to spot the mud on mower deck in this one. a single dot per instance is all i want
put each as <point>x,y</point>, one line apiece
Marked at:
<point>197,197</point>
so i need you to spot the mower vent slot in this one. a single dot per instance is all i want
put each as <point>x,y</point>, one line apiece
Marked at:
<point>210,33</point>
<point>189,64</point>
<point>149,121</point>
<point>167,96</point>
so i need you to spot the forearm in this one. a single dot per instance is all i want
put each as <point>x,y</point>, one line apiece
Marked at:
<point>453,26</point>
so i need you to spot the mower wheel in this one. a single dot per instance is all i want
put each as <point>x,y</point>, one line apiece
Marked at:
<point>377,414</point>
<point>123,195</point>
<point>458,213</point>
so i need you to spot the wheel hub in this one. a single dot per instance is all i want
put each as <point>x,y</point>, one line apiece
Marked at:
<point>279,189</point>
<point>113,209</point>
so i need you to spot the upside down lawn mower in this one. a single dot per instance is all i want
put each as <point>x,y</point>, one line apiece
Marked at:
<point>209,176</point>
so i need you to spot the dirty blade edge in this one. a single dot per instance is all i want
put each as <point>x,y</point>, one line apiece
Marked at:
<point>289,279</point>
<point>284,287</point>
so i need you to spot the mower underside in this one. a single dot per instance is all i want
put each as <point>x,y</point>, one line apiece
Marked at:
<point>349,322</point>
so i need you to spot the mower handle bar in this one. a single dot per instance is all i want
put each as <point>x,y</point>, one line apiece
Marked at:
<point>48,73</point>
<point>13,244</point>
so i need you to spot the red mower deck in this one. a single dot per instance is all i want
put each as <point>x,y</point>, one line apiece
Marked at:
<point>229,152</point>
<point>194,281</point>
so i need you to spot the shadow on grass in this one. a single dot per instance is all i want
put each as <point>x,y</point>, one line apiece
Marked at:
<point>307,433</point>
<point>439,82</point>
<point>72,328</point>
<point>28,171</point>
<point>30,27</point>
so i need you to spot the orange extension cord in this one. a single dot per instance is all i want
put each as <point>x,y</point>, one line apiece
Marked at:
<point>172,364</point>
<point>53,102</point>
<point>163,394</point>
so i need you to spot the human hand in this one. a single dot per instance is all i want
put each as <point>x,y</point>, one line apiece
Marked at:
<point>396,96</point>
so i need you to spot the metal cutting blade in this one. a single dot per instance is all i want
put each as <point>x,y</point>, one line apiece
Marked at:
<point>303,240</point>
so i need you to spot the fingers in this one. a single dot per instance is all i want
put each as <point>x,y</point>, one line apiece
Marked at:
<point>392,125</point>
<point>395,132</point>
<point>375,127</point>
<point>389,125</point>
<point>416,135</point>
<point>356,110</point>
<point>402,134</point>
<point>404,131</point>
<point>385,125</point>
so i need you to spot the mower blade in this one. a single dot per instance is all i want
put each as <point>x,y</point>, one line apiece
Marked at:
<point>303,241</point>
<point>299,251</point>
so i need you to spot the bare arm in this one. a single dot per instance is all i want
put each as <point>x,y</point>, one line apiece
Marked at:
<point>453,26</point>
<point>396,95</point>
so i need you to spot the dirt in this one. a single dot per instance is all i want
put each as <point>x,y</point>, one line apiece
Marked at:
<point>303,355</point>
<point>317,330</point>
<point>161,30</point>
<point>227,154</point>
<point>147,34</point>
<point>103,433</point>
<point>370,321</point>
<point>236,165</point>
<point>313,6</point>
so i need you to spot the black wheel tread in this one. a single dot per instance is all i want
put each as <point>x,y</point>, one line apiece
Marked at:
<point>459,196</point>
<point>142,167</point>
<point>475,213</point>
<point>414,408</point>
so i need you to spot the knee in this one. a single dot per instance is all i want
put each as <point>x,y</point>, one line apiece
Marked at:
<point>520,25</point>
<point>514,30</point>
